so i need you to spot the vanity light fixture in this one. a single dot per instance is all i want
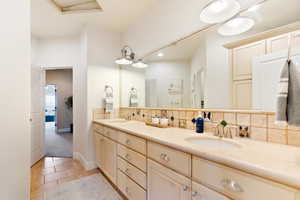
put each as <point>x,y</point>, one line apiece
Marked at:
<point>139,64</point>
<point>219,11</point>
<point>127,56</point>
<point>236,26</point>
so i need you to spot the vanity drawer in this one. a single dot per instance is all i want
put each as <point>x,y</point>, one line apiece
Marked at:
<point>201,192</point>
<point>177,160</point>
<point>138,144</point>
<point>129,188</point>
<point>110,133</point>
<point>98,128</point>
<point>237,184</point>
<point>134,173</point>
<point>132,157</point>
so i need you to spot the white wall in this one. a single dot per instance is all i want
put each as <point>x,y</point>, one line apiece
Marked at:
<point>132,77</point>
<point>102,49</point>
<point>91,55</point>
<point>56,53</point>
<point>15,100</point>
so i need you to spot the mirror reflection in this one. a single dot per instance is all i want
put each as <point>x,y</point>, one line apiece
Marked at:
<point>234,65</point>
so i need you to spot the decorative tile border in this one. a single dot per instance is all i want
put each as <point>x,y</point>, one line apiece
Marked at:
<point>261,124</point>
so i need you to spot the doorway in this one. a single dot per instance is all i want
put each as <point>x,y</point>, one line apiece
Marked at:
<point>59,113</point>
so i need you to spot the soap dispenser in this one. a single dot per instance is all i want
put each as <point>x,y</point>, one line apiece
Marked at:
<point>199,121</point>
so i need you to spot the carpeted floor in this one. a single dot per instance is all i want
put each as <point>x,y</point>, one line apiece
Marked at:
<point>93,187</point>
<point>57,144</point>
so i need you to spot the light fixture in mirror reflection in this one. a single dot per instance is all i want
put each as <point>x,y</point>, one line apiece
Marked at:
<point>208,70</point>
<point>219,11</point>
<point>236,26</point>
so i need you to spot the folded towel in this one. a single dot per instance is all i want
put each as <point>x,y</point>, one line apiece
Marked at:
<point>282,97</point>
<point>293,108</point>
<point>288,101</point>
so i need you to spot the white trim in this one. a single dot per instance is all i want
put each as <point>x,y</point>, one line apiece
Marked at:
<point>64,130</point>
<point>88,165</point>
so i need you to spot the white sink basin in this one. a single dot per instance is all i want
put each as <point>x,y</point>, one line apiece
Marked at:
<point>213,143</point>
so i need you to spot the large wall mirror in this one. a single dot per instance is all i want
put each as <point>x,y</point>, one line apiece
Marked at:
<point>214,71</point>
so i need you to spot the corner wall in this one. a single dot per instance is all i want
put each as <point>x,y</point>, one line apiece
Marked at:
<point>15,100</point>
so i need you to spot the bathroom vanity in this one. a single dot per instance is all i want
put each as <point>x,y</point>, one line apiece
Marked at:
<point>146,162</point>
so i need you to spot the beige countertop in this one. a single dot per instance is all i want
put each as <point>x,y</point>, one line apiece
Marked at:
<point>280,163</point>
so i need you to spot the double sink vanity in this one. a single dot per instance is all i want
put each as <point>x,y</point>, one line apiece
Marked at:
<point>151,163</point>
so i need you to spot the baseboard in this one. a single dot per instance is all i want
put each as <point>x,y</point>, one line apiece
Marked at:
<point>88,165</point>
<point>64,130</point>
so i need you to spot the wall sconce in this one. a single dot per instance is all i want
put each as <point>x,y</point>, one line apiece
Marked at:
<point>128,58</point>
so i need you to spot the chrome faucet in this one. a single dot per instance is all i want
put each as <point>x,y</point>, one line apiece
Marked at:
<point>223,131</point>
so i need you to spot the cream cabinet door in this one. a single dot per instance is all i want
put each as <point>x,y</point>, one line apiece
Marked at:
<point>295,39</point>
<point>108,157</point>
<point>98,138</point>
<point>201,192</point>
<point>166,184</point>
<point>242,59</point>
<point>242,94</point>
<point>278,43</point>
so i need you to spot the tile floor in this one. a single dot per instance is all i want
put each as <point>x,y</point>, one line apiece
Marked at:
<point>52,171</point>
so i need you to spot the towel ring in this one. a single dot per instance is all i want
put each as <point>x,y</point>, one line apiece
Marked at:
<point>133,90</point>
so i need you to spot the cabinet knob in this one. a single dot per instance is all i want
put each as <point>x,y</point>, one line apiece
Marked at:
<point>127,191</point>
<point>164,157</point>
<point>185,188</point>
<point>194,194</point>
<point>231,185</point>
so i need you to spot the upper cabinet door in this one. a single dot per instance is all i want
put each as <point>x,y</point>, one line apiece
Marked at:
<point>166,184</point>
<point>242,94</point>
<point>201,192</point>
<point>296,39</point>
<point>278,43</point>
<point>242,59</point>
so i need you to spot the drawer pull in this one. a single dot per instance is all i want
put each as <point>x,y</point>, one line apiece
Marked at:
<point>164,157</point>
<point>128,142</point>
<point>231,185</point>
<point>194,194</point>
<point>185,188</point>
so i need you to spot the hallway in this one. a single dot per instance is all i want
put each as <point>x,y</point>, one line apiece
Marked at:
<point>57,144</point>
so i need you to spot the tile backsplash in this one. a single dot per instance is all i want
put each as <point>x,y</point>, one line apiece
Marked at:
<point>261,124</point>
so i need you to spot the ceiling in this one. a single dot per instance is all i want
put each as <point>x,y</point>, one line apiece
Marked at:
<point>117,15</point>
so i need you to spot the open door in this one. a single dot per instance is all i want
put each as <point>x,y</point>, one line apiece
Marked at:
<point>37,114</point>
